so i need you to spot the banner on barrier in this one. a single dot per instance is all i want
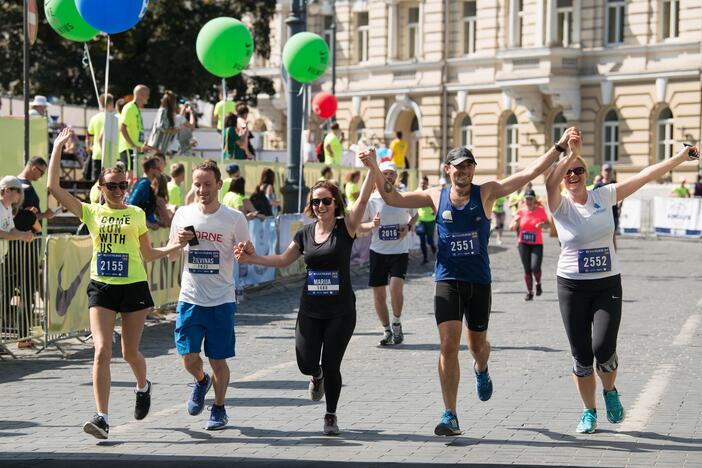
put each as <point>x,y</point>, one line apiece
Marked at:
<point>630,216</point>
<point>678,216</point>
<point>163,275</point>
<point>264,237</point>
<point>288,225</point>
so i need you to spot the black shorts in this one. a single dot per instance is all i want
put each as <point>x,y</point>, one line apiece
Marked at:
<point>460,300</point>
<point>382,267</point>
<point>120,297</point>
<point>127,157</point>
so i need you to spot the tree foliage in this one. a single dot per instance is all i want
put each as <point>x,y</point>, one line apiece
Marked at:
<point>158,52</point>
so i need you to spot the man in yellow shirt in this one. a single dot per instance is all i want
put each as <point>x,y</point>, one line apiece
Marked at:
<point>398,147</point>
<point>95,129</point>
<point>175,194</point>
<point>332,146</point>
<point>223,106</point>
<point>131,129</point>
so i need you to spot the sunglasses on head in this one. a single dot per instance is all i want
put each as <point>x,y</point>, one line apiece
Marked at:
<point>317,201</point>
<point>576,170</point>
<point>112,186</point>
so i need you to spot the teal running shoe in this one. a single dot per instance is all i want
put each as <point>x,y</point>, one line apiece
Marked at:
<point>588,422</point>
<point>448,426</point>
<point>615,410</point>
<point>483,384</point>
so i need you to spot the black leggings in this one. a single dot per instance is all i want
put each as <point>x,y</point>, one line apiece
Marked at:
<point>328,338</point>
<point>532,255</point>
<point>426,237</point>
<point>591,311</point>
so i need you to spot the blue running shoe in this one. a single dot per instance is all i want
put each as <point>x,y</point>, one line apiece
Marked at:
<point>218,419</point>
<point>448,426</point>
<point>588,422</point>
<point>615,410</point>
<point>483,384</point>
<point>196,403</point>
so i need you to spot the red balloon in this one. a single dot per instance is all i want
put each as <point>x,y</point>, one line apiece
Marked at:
<point>324,104</point>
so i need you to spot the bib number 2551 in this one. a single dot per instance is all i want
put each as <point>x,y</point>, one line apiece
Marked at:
<point>464,245</point>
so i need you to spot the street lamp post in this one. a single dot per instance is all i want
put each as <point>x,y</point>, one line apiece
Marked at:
<point>294,190</point>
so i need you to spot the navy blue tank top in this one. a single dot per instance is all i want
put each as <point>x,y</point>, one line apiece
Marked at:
<point>463,240</point>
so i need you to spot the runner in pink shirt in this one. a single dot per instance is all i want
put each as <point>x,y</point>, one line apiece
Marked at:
<point>529,221</point>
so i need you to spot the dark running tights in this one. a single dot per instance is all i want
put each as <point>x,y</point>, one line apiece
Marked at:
<point>325,338</point>
<point>531,255</point>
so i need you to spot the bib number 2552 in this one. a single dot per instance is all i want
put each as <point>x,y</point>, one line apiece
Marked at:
<point>594,260</point>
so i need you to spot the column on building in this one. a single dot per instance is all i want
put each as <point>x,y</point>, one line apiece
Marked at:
<point>392,29</point>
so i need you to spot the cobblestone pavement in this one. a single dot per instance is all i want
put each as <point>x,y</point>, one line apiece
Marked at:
<point>391,398</point>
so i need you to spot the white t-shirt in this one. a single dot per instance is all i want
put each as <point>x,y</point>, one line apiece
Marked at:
<point>586,235</point>
<point>6,224</point>
<point>208,267</point>
<point>386,237</point>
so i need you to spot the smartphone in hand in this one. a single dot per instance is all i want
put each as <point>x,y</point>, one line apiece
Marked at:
<point>693,153</point>
<point>194,240</point>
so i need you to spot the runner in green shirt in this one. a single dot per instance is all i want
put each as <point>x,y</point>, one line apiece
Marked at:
<point>333,151</point>
<point>498,217</point>
<point>175,194</point>
<point>681,191</point>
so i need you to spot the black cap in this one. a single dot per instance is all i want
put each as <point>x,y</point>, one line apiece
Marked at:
<point>457,155</point>
<point>529,194</point>
<point>232,168</point>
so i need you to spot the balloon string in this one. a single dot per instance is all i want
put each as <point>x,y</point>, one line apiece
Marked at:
<point>86,57</point>
<point>108,161</point>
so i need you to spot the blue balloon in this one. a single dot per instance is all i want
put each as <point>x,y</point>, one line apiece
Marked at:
<point>112,16</point>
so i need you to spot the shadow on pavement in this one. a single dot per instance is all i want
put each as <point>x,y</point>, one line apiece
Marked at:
<point>272,384</point>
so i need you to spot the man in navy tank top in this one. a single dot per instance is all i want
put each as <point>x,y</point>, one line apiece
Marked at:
<point>462,275</point>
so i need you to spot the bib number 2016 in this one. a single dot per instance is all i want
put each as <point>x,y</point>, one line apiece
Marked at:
<point>594,260</point>
<point>463,245</point>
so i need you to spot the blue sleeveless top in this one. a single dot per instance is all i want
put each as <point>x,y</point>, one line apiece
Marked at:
<point>463,240</point>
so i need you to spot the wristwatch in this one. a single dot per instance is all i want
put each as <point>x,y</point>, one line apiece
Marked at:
<point>559,148</point>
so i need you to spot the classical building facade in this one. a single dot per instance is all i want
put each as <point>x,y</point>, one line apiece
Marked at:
<point>506,77</point>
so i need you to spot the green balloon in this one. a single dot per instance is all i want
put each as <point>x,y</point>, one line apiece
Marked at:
<point>306,56</point>
<point>64,18</point>
<point>224,46</point>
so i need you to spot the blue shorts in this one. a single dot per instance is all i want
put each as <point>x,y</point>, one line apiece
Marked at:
<point>215,325</point>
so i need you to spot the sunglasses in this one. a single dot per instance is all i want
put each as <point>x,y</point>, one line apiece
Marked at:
<point>317,201</point>
<point>577,171</point>
<point>15,189</point>
<point>112,186</point>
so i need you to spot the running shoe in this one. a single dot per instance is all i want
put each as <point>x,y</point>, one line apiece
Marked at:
<point>448,425</point>
<point>316,388</point>
<point>218,419</point>
<point>483,384</point>
<point>196,403</point>
<point>615,410</point>
<point>97,427</point>
<point>387,339</point>
<point>331,426</point>
<point>529,297</point>
<point>397,335</point>
<point>588,422</point>
<point>539,291</point>
<point>143,403</point>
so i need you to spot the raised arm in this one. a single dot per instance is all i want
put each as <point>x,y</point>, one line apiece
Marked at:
<point>555,177</point>
<point>355,214</point>
<point>70,202</point>
<point>651,173</point>
<point>512,183</point>
<point>245,254</point>
<point>391,196</point>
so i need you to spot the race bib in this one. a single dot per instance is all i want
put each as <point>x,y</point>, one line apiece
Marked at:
<point>528,236</point>
<point>594,260</point>
<point>464,244</point>
<point>322,283</point>
<point>113,264</point>
<point>203,262</point>
<point>389,232</point>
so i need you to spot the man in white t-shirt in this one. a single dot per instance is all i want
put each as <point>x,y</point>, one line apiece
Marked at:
<point>389,255</point>
<point>207,301</point>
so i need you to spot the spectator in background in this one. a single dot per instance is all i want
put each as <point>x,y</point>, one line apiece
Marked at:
<point>119,105</point>
<point>242,125</point>
<point>236,199</point>
<point>39,107</point>
<point>33,171</point>
<point>222,108</point>
<point>175,193</point>
<point>403,181</point>
<point>131,129</point>
<point>398,148</point>
<point>681,191</point>
<point>308,141</point>
<point>698,186</point>
<point>233,142</point>
<point>327,174</point>
<point>267,186</point>
<point>426,218</point>
<point>93,138</point>
<point>607,174</point>
<point>164,128</point>
<point>351,187</point>
<point>186,122</point>
<point>142,194</point>
<point>234,172</point>
<point>159,185</point>
<point>259,198</point>
<point>333,151</point>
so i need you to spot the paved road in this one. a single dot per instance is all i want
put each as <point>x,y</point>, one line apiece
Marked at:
<point>391,400</point>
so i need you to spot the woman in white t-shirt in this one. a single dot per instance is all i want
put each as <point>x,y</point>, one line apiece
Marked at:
<point>589,283</point>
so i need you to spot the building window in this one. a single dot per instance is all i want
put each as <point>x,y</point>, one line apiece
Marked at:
<point>665,135</point>
<point>564,10</point>
<point>560,124</point>
<point>362,36</point>
<point>519,24</point>
<point>610,150</point>
<point>470,23</point>
<point>670,18</point>
<point>466,133</point>
<point>358,132</point>
<point>328,33</point>
<point>413,32</point>
<point>511,145</point>
<point>614,22</point>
